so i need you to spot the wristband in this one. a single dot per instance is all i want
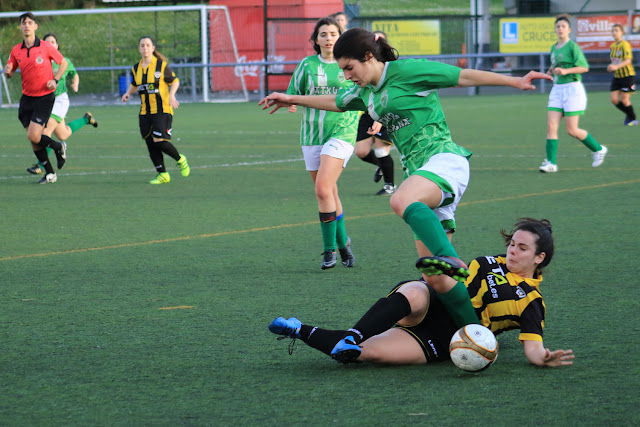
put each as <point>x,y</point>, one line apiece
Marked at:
<point>55,80</point>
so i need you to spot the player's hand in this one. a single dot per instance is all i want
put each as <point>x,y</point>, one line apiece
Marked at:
<point>277,100</point>
<point>51,84</point>
<point>611,68</point>
<point>525,82</point>
<point>173,101</point>
<point>375,128</point>
<point>559,71</point>
<point>74,86</point>
<point>8,70</point>
<point>293,108</point>
<point>125,97</point>
<point>558,357</point>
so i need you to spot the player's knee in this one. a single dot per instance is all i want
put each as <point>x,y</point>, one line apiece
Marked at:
<point>362,151</point>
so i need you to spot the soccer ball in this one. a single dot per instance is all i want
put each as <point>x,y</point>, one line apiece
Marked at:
<point>473,348</point>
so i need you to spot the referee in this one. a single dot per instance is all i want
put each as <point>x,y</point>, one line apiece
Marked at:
<point>33,56</point>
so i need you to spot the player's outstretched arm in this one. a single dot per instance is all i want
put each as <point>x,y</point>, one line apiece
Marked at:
<point>469,77</point>
<point>282,100</point>
<point>538,355</point>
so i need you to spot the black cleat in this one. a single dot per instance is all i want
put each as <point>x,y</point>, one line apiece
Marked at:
<point>90,120</point>
<point>346,255</point>
<point>377,176</point>
<point>329,259</point>
<point>62,155</point>
<point>35,169</point>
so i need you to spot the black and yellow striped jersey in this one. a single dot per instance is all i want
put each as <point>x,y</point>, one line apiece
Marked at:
<point>504,300</point>
<point>153,86</point>
<point>619,52</point>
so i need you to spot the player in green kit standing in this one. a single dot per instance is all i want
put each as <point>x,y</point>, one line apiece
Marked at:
<point>567,97</point>
<point>327,138</point>
<point>402,95</point>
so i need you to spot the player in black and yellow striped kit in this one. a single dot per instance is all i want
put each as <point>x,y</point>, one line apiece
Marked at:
<point>624,75</point>
<point>157,86</point>
<point>412,326</point>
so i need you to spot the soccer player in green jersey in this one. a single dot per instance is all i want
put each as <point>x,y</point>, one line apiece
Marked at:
<point>327,138</point>
<point>411,326</point>
<point>402,95</point>
<point>56,124</point>
<point>624,75</point>
<point>567,97</point>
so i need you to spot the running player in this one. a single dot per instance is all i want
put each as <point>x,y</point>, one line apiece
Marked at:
<point>411,326</point>
<point>327,138</point>
<point>402,95</point>
<point>624,75</point>
<point>568,97</point>
<point>34,56</point>
<point>56,124</point>
<point>157,86</point>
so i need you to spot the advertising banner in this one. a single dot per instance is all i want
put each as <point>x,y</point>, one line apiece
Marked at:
<point>594,32</point>
<point>412,37</point>
<point>524,35</point>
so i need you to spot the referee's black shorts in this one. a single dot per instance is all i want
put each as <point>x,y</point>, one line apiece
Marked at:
<point>35,109</point>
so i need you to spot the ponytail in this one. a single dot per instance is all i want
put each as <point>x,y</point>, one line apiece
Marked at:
<point>356,43</point>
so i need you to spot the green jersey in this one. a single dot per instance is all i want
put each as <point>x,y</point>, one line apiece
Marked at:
<point>316,76</point>
<point>406,102</point>
<point>567,56</point>
<point>69,72</point>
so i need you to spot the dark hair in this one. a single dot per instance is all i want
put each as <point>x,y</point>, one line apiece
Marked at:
<point>155,51</point>
<point>563,17</point>
<point>356,43</point>
<point>544,242</point>
<point>27,15</point>
<point>381,33</point>
<point>619,26</point>
<point>327,20</point>
<point>51,35</point>
<point>333,15</point>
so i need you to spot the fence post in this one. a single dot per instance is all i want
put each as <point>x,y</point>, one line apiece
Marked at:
<point>194,79</point>
<point>541,68</point>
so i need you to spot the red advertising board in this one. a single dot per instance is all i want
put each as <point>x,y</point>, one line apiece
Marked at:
<point>288,40</point>
<point>594,32</point>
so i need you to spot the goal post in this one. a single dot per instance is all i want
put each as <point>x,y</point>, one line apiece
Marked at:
<point>198,40</point>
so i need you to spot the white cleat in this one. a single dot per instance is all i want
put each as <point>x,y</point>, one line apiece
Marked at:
<point>598,157</point>
<point>548,167</point>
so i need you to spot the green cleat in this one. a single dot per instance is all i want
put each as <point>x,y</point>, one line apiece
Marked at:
<point>185,170</point>
<point>449,266</point>
<point>162,178</point>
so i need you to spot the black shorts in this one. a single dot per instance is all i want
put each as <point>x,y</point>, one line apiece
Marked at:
<point>156,125</point>
<point>363,126</point>
<point>624,84</point>
<point>435,331</point>
<point>35,109</point>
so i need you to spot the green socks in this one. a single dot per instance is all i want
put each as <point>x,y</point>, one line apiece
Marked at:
<point>78,124</point>
<point>341,232</point>
<point>426,225</point>
<point>328,225</point>
<point>459,306</point>
<point>552,149</point>
<point>591,143</point>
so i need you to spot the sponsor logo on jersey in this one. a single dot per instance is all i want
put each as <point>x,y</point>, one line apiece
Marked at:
<point>322,76</point>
